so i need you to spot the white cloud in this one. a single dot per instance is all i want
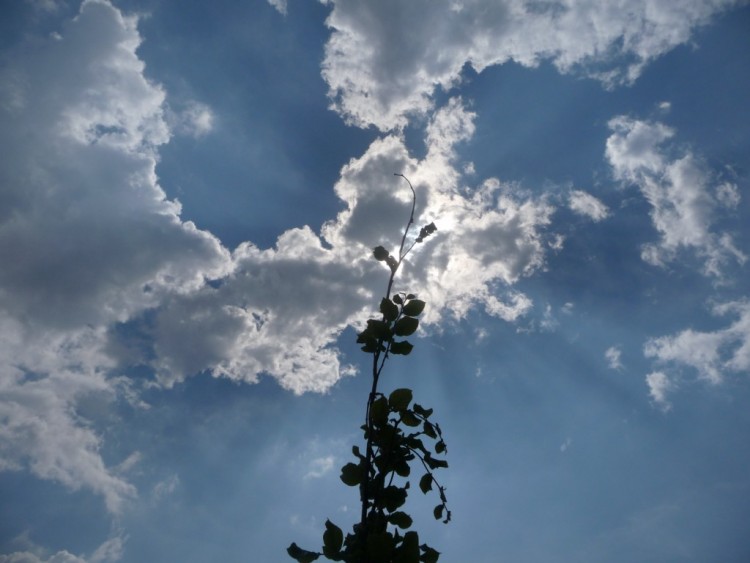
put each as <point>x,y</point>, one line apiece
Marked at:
<point>42,381</point>
<point>659,385</point>
<point>384,60</point>
<point>108,552</point>
<point>165,487</point>
<point>85,224</point>
<point>612,354</point>
<point>87,238</point>
<point>320,466</point>
<point>281,310</point>
<point>681,191</point>
<point>194,120</point>
<point>280,5</point>
<point>712,354</point>
<point>45,6</point>
<point>585,204</point>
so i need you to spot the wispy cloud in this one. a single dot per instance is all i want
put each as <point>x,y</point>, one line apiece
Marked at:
<point>684,196</point>
<point>587,205</point>
<point>108,552</point>
<point>712,354</point>
<point>659,385</point>
<point>612,355</point>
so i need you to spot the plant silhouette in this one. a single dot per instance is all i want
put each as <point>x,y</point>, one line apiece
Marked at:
<point>399,436</point>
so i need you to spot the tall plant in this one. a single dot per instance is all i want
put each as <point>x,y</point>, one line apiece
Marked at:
<point>399,436</point>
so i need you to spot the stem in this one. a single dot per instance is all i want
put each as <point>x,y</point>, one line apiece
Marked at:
<point>377,368</point>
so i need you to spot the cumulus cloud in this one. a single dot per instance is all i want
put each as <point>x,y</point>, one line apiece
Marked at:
<point>282,309</point>
<point>684,195</point>
<point>89,240</point>
<point>384,60</point>
<point>711,354</point>
<point>87,237</point>
<point>587,205</point>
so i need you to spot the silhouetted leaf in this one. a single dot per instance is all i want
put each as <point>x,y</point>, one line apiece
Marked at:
<point>421,411</point>
<point>301,555</point>
<point>408,418</point>
<point>333,539</point>
<point>438,512</point>
<point>435,463</point>
<point>405,326</point>
<point>400,519</point>
<point>351,474</point>
<point>378,329</point>
<point>414,308</point>
<point>409,550</point>
<point>425,483</point>
<point>399,399</point>
<point>389,309</point>
<point>429,555</point>
<point>397,299</point>
<point>401,467</point>
<point>402,348</point>
<point>380,546</point>
<point>393,497</point>
<point>379,411</point>
<point>380,253</point>
<point>440,447</point>
<point>429,429</point>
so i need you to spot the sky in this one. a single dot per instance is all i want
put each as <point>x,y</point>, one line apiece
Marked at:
<point>189,196</point>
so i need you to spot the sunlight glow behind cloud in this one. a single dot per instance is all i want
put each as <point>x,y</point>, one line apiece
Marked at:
<point>90,242</point>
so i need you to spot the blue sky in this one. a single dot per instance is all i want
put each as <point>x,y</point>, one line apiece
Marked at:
<point>188,198</point>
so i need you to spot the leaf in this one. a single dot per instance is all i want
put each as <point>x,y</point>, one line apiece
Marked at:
<point>440,447</point>
<point>393,497</point>
<point>402,348</point>
<point>379,411</point>
<point>409,550</point>
<point>301,555</point>
<point>397,299</point>
<point>380,546</point>
<point>380,253</point>
<point>414,308</point>
<point>435,463</point>
<point>425,483</point>
<point>402,468</point>
<point>400,519</point>
<point>399,399</point>
<point>333,539</point>
<point>389,309</point>
<point>378,329</point>
<point>429,429</point>
<point>405,326</point>
<point>351,474</point>
<point>438,511</point>
<point>429,555</point>
<point>408,418</point>
<point>421,411</point>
